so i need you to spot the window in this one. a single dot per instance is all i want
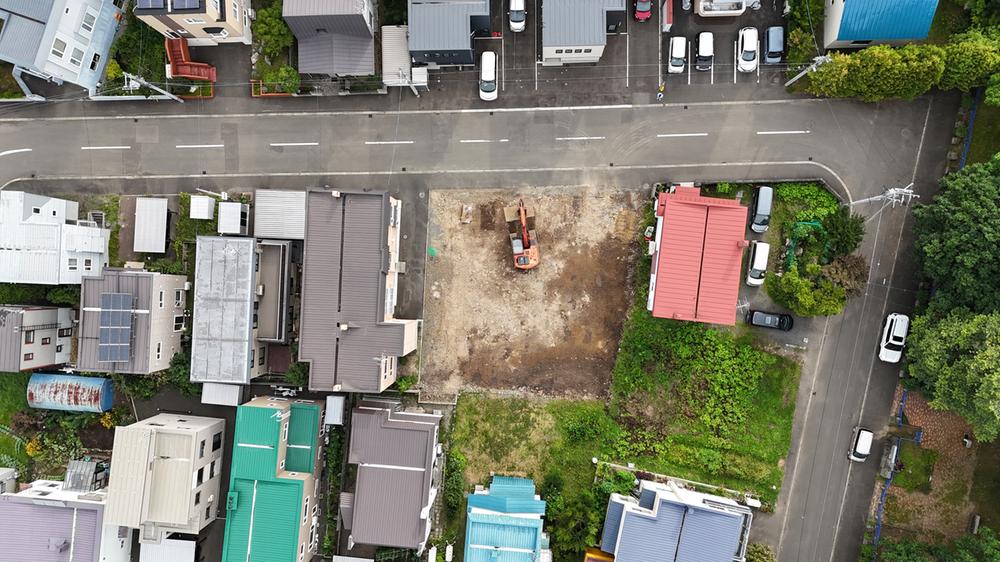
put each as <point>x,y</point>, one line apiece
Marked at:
<point>201,450</point>
<point>201,475</point>
<point>305,511</point>
<point>36,210</point>
<point>179,325</point>
<point>58,349</point>
<point>236,12</point>
<point>29,336</point>
<point>88,264</point>
<point>211,470</point>
<point>178,297</point>
<point>46,341</point>
<point>72,264</point>
<point>578,51</point>
<point>302,550</point>
<point>587,50</point>
<point>217,441</point>
<point>182,31</point>
<point>222,34</point>
<point>94,61</point>
<point>76,59</point>
<point>59,48</point>
<point>260,356</point>
<point>29,356</point>
<point>281,465</point>
<point>193,21</point>
<point>208,512</point>
<point>87,26</point>
<point>321,30</point>
<point>215,3</point>
<point>158,351</point>
<point>559,51</point>
<point>284,432</point>
<point>65,332</point>
<point>161,299</point>
<point>197,498</point>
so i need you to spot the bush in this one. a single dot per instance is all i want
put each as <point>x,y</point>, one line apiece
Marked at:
<point>113,71</point>
<point>65,295</point>
<point>405,382</point>
<point>880,72</point>
<point>271,32</point>
<point>760,552</point>
<point>298,374</point>
<point>849,272</point>
<point>281,79</point>
<point>970,59</point>
<point>179,374</point>
<point>812,201</point>
<point>454,482</point>
<point>16,293</point>
<point>992,96</point>
<point>139,50</point>
<point>844,231</point>
<point>805,295</point>
<point>139,387</point>
<point>573,524</point>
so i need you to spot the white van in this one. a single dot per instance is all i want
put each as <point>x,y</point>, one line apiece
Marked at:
<point>678,52</point>
<point>861,444</point>
<point>762,201</point>
<point>517,16</point>
<point>706,51</point>
<point>759,252</point>
<point>488,76</point>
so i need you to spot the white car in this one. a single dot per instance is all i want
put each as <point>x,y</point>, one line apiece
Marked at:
<point>517,16</point>
<point>890,348</point>
<point>747,50</point>
<point>861,444</point>
<point>488,76</point>
<point>678,55</point>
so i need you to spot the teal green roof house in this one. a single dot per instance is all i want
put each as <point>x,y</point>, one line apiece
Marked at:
<point>504,523</point>
<point>272,512</point>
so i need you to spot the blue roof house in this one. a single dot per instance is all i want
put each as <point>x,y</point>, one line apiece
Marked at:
<point>668,522</point>
<point>504,523</point>
<point>859,23</point>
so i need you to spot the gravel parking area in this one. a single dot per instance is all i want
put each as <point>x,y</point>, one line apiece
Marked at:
<point>552,330</point>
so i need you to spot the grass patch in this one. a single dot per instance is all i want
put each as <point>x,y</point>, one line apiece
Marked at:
<point>918,463</point>
<point>985,135</point>
<point>8,86</point>
<point>13,387</point>
<point>950,18</point>
<point>111,219</point>
<point>986,484</point>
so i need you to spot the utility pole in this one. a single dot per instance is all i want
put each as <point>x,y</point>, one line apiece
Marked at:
<point>143,82</point>
<point>892,195</point>
<point>817,61</point>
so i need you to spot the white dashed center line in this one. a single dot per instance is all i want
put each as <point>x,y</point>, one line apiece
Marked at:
<point>390,142</point>
<point>579,138</point>
<point>200,146</point>
<point>678,135</point>
<point>123,147</point>
<point>481,141</point>
<point>294,144</point>
<point>783,132</point>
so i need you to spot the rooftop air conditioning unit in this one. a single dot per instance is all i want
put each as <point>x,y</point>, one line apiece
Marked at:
<point>260,290</point>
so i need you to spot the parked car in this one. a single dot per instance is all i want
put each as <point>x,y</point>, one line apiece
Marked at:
<point>861,444</point>
<point>643,10</point>
<point>757,269</point>
<point>488,76</point>
<point>747,50</point>
<point>890,348</point>
<point>775,320</point>
<point>774,44</point>
<point>706,51</point>
<point>678,54</point>
<point>517,16</point>
<point>761,217</point>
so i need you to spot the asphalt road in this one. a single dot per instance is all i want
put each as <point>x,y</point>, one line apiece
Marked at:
<point>858,149</point>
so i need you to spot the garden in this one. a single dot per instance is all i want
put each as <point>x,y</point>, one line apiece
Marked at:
<point>272,44</point>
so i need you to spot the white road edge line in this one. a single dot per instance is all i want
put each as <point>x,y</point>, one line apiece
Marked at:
<point>390,142</point>
<point>200,146</point>
<point>14,151</point>
<point>676,135</point>
<point>803,132</point>
<point>294,144</point>
<point>122,147</point>
<point>579,138</point>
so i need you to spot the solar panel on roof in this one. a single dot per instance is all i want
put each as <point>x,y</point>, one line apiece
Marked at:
<point>115,332</point>
<point>186,4</point>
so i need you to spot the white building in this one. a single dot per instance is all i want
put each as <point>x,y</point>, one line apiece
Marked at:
<point>32,337</point>
<point>576,31</point>
<point>43,242</point>
<point>165,475</point>
<point>719,8</point>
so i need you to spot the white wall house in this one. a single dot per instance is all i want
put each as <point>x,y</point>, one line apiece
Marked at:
<point>42,241</point>
<point>32,337</point>
<point>576,31</point>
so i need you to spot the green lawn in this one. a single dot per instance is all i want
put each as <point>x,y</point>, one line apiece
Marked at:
<point>985,134</point>
<point>917,466</point>
<point>12,400</point>
<point>8,86</point>
<point>986,484</point>
<point>950,18</point>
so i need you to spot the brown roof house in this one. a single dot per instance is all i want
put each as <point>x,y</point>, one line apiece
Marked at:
<point>351,266</point>
<point>399,470</point>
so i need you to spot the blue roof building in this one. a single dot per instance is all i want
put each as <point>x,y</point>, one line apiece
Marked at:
<point>504,523</point>
<point>859,23</point>
<point>674,524</point>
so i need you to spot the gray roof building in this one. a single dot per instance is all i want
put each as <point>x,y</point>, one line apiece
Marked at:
<point>131,321</point>
<point>335,37</point>
<point>440,29</point>
<point>668,522</point>
<point>59,40</point>
<point>398,475</point>
<point>575,23</point>
<point>32,337</point>
<point>349,277</point>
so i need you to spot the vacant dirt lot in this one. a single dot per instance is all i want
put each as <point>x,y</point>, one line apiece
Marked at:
<point>554,329</point>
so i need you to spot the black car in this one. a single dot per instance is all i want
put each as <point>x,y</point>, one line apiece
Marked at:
<point>773,320</point>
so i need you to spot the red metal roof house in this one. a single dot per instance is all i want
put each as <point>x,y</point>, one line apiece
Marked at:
<point>698,256</point>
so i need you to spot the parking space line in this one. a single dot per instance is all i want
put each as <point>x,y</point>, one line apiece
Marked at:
<point>626,59</point>
<point>678,135</point>
<point>690,62</point>
<point>735,56</point>
<point>579,138</point>
<point>123,147</point>
<point>804,132</point>
<point>387,142</point>
<point>659,47</point>
<point>758,61</point>
<point>536,14</point>
<point>712,70</point>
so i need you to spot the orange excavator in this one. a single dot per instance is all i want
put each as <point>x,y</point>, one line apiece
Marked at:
<point>521,229</point>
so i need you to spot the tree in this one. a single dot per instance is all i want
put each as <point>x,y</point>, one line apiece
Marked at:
<point>983,547</point>
<point>992,96</point>
<point>970,59</point>
<point>67,295</point>
<point>955,238</point>
<point>16,293</point>
<point>849,272</point>
<point>271,32</point>
<point>179,374</point>
<point>574,523</point>
<point>761,552</point>
<point>957,359</point>
<point>805,296</point>
<point>283,79</point>
<point>844,231</point>
<point>297,374</point>
<point>906,550</point>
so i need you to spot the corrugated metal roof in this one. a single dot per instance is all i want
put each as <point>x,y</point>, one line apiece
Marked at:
<point>10,339</point>
<point>886,20</point>
<point>279,214</point>
<point>202,207</point>
<point>443,25</point>
<point>395,455</point>
<point>230,217</point>
<point>343,284</point>
<point>128,482</point>
<point>699,258</point>
<point>28,528</point>
<point>396,59</point>
<point>709,535</point>
<point>35,9</point>
<point>223,309</point>
<point>337,54</point>
<point>612,522</point>
<point>576,23</point>
<point>292,8</point>
<point>139,286</point>
<point>303,430</point>
<point>20,39</point>
<point>513,531</point>
<point>150,225</point>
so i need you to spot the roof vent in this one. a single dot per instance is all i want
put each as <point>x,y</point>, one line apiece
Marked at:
<point>58,544</point>
<point>335,194</point>
<point>343,326</point>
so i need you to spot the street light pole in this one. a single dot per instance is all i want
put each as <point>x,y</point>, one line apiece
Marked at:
<point>893,195</point>
<point>817,61</point>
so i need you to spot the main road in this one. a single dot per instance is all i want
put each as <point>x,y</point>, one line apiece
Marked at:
<point>858,149</point>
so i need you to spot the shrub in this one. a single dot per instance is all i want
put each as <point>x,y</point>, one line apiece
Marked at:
<point>844,231</point>
<point>880,72</point>
<point>849,272</point>
<point>805,295</point>
<point>297,374</point>
<point>970,59</point>
<point>271,32</point>
<point>67,295</point>
<point>179,374</point>
<point>992,96</point>
<point>281,79</point>
<point>761,552</point>
<point>454,481</point>
<point>15,293</point>
<point>113,71</point>
<point>812,199</point>
<point>405,382</point>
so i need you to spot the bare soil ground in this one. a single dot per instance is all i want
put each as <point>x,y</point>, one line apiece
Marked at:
<point>943,514</point>
<point>554,329</point>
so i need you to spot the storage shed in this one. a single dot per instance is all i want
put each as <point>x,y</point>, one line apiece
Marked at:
<point>202,207</point>
<point>150,225</point>
<point>234,217</point>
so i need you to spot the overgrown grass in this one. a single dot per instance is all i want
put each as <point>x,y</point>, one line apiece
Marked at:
<point>111,218</point>
<point>8,86</point>
<point>13,387</point>
<point>950,18</point>
<point>985,134</point>
<point>187,230</point>
<point>917,466</point>
<point>986,484</point>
